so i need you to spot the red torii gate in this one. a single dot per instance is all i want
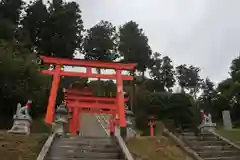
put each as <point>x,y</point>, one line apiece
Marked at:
<point>57,72</point>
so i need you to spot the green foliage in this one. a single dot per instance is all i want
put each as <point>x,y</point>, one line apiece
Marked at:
<point>11,9</point>
<point>103,88</point>
<point>35,24</point>
<point>101,42</point>
<point>208,96</point>
<point>188,78</point>
<point>20,79</point>
<point>180,110</point>
<point>9,17</point>
<point>162,71</point>
<point>56,30</point>
<point>235,69</point>
<point>164,106</point>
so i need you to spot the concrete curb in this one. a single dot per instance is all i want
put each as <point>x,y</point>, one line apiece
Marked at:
<point>124,148</point>
<point>225,140</point>
<point>188,150</point>
<point>46,147</point>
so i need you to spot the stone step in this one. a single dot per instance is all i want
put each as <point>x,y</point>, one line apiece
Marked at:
<point>207,143</point>
<point>89,148</point>
<point>105,148</point>
<point>223,158</point>
<point>88,138</point>
<point>222,153</point>
<point>79,154</point>
<point>201,138</point>
<point>96,139</point>
<point>193,134</point>
<point>60,158</point>
<point>87,142</point>
<point>81,141</point>
<point>79,148</point>
<point>212,148</point>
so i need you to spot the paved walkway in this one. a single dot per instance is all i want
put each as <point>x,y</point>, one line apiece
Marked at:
<point>91,127</point>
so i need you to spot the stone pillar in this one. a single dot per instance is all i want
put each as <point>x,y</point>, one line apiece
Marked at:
<point>227,122</point>
<point>61,118</point>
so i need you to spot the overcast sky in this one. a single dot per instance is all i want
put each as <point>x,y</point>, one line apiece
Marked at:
<point>204,33</point>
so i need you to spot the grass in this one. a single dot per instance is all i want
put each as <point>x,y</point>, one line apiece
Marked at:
<point>156,148</point>
<point>233,135</point>
<point>39,126</point>
<point>20,147</point>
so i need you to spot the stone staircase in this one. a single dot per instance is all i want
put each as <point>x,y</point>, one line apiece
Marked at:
<point>209,146</point>
<point>85,148</point>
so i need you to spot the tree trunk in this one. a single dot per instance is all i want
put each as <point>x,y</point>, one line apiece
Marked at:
<point>133,97</point>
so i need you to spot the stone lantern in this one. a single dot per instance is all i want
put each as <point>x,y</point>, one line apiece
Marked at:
<point>61,119</point>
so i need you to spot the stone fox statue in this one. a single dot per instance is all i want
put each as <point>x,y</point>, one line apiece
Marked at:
<point>23,111</point>
<point>22,120</point>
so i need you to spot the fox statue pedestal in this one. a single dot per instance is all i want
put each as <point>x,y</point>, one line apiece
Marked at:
<point>21,120</point>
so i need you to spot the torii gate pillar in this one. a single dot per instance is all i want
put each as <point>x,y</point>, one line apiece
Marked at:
<point>53,95</point>
<point>120,103</point>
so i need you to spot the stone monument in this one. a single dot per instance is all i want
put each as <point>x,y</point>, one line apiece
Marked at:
<point>22,120</point>
<point>227,122</point>
<point>207,124</point>
<point>61,119</point>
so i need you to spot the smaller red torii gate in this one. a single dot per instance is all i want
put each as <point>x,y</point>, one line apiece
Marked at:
<point>78,103</point>
<point>57,72</point>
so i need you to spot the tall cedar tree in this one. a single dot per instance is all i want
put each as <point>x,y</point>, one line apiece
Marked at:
<point>134,46</point>
<point>9,18</point>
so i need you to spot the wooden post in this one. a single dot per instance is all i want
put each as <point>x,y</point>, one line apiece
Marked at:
<point>151,129</point>
<point>75,120</point>
<point>89,70</point>
<point>111,126</point>
<point>80,119</point>
<point>53,95</point>
<point>151,125</point>
<point>203,115</point>
<point>120,104</point>
<point>71,122</point>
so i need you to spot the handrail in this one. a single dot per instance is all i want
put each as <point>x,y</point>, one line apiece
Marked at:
<point>124,148</point>
<point>46,147</point>
<point>225,140</point>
